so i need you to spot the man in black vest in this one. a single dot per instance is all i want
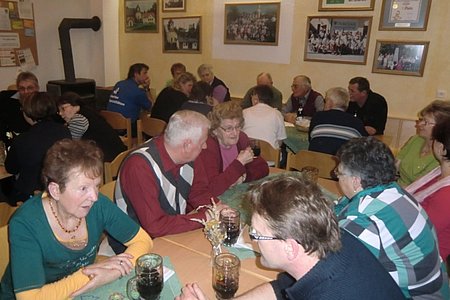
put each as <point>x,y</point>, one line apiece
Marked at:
<point>220,91</point>
<point>304,98</point>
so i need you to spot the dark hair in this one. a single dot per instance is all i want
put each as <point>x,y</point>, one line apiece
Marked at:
<point>177,66</point>
<point>136,68</point>
<point>363,83</point>
<point>264,92</point>
<point>440,110</point>
<point>441,133</point>
<point>67,156</point>
<point>200,91</point>
<point>39,106</point>
<point>23,76</point>
<point>69,98</point>
<point>369,159</point>
<point>296,208</point>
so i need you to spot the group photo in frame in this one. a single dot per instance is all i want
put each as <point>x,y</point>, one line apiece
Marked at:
<point>141,16</point>
<point>404,14</point>
<point>173,5</point>
<point>181,34</point>
<point>255,23</point>
<point>325,5</point>
<point>337,39</point>
<point>400,57</point>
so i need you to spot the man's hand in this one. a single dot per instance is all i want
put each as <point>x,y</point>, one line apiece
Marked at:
<point>370,130</point>
<point>191,291</point>
<point>290,117</point>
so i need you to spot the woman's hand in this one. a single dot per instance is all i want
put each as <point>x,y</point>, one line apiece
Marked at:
<point>106,271</point>
<point>245,156</point>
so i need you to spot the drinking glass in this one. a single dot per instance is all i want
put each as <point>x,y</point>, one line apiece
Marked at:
<point>254,144</point>
<point>149,280</point>
<point>225,278</point>
<point>311,173</point>
<point>230,218</point>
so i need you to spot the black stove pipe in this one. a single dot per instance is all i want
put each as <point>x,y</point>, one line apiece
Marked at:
<point>66,47</point>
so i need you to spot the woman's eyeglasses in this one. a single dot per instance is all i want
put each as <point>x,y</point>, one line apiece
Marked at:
<point>425,122</point>
<point>231,129</point>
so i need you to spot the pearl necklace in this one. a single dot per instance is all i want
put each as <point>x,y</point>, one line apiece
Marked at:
<point>59,222</point>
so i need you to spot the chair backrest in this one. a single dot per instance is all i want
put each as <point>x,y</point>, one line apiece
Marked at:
<point>150,126</point>
<point>108,189</point>
<point>117,121</point>
<point>4,249</point>
<point>270,154</point>
<point>6,212</point>
<point>326,163</point>
<point>111,169</point>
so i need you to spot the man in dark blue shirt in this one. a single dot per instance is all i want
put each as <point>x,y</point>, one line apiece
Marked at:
<point>131,95</point>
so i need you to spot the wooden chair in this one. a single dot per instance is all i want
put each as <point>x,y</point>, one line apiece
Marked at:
<point>108,189</point>
<point>111,169</point>
<point>150,126</point>
<point>4,248</point>
<point>270,154</point>
<point>6,212</point>
<point>117,121</point>
<point>326,163</point>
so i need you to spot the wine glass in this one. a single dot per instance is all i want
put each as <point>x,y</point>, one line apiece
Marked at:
<point>225,279</point>
<point>149,280</point>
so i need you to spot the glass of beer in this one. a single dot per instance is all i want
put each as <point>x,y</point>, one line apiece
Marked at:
<point>225,279</point>
<point>149,280</point>
<point>230,218</point>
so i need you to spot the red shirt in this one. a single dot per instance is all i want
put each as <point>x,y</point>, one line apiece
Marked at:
<point>437,206</point>
<point>142,188</point>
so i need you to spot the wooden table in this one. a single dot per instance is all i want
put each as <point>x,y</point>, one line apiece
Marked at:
<point>190,252</point>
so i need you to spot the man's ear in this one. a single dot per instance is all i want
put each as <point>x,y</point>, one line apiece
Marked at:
<point>54,191</point>
<point>292,249</point>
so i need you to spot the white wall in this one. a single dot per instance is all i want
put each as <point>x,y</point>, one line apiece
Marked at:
<point>87,45</point>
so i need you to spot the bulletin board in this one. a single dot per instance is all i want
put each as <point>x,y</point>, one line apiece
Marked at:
<point>17,34</point>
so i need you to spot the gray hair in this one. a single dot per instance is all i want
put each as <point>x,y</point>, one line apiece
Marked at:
<point>204,67</point>
<point>306,81</point>
<point>339,96</point>
<point>185,124</point>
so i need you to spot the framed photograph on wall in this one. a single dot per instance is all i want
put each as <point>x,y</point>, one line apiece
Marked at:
<point>141,16</point>
<point>182,35</point>
<point>404,14</point>
<point>325,5</point>
<point>173,5</point>
<point>337,39</point>
<point>400,57</point>
<point>253,23</point>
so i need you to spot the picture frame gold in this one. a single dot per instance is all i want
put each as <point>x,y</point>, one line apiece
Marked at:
<point>404,15</point>
<point>337,39</point>
<point>181,34</point>
<point>254,23</point>
<point>400,57</point>
<point>141,16</point>
<point>345,5</point>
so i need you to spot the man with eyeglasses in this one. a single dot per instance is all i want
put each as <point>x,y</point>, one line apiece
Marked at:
<point>304,100</point>
<point>12,121</point>
<point>297,232</point>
